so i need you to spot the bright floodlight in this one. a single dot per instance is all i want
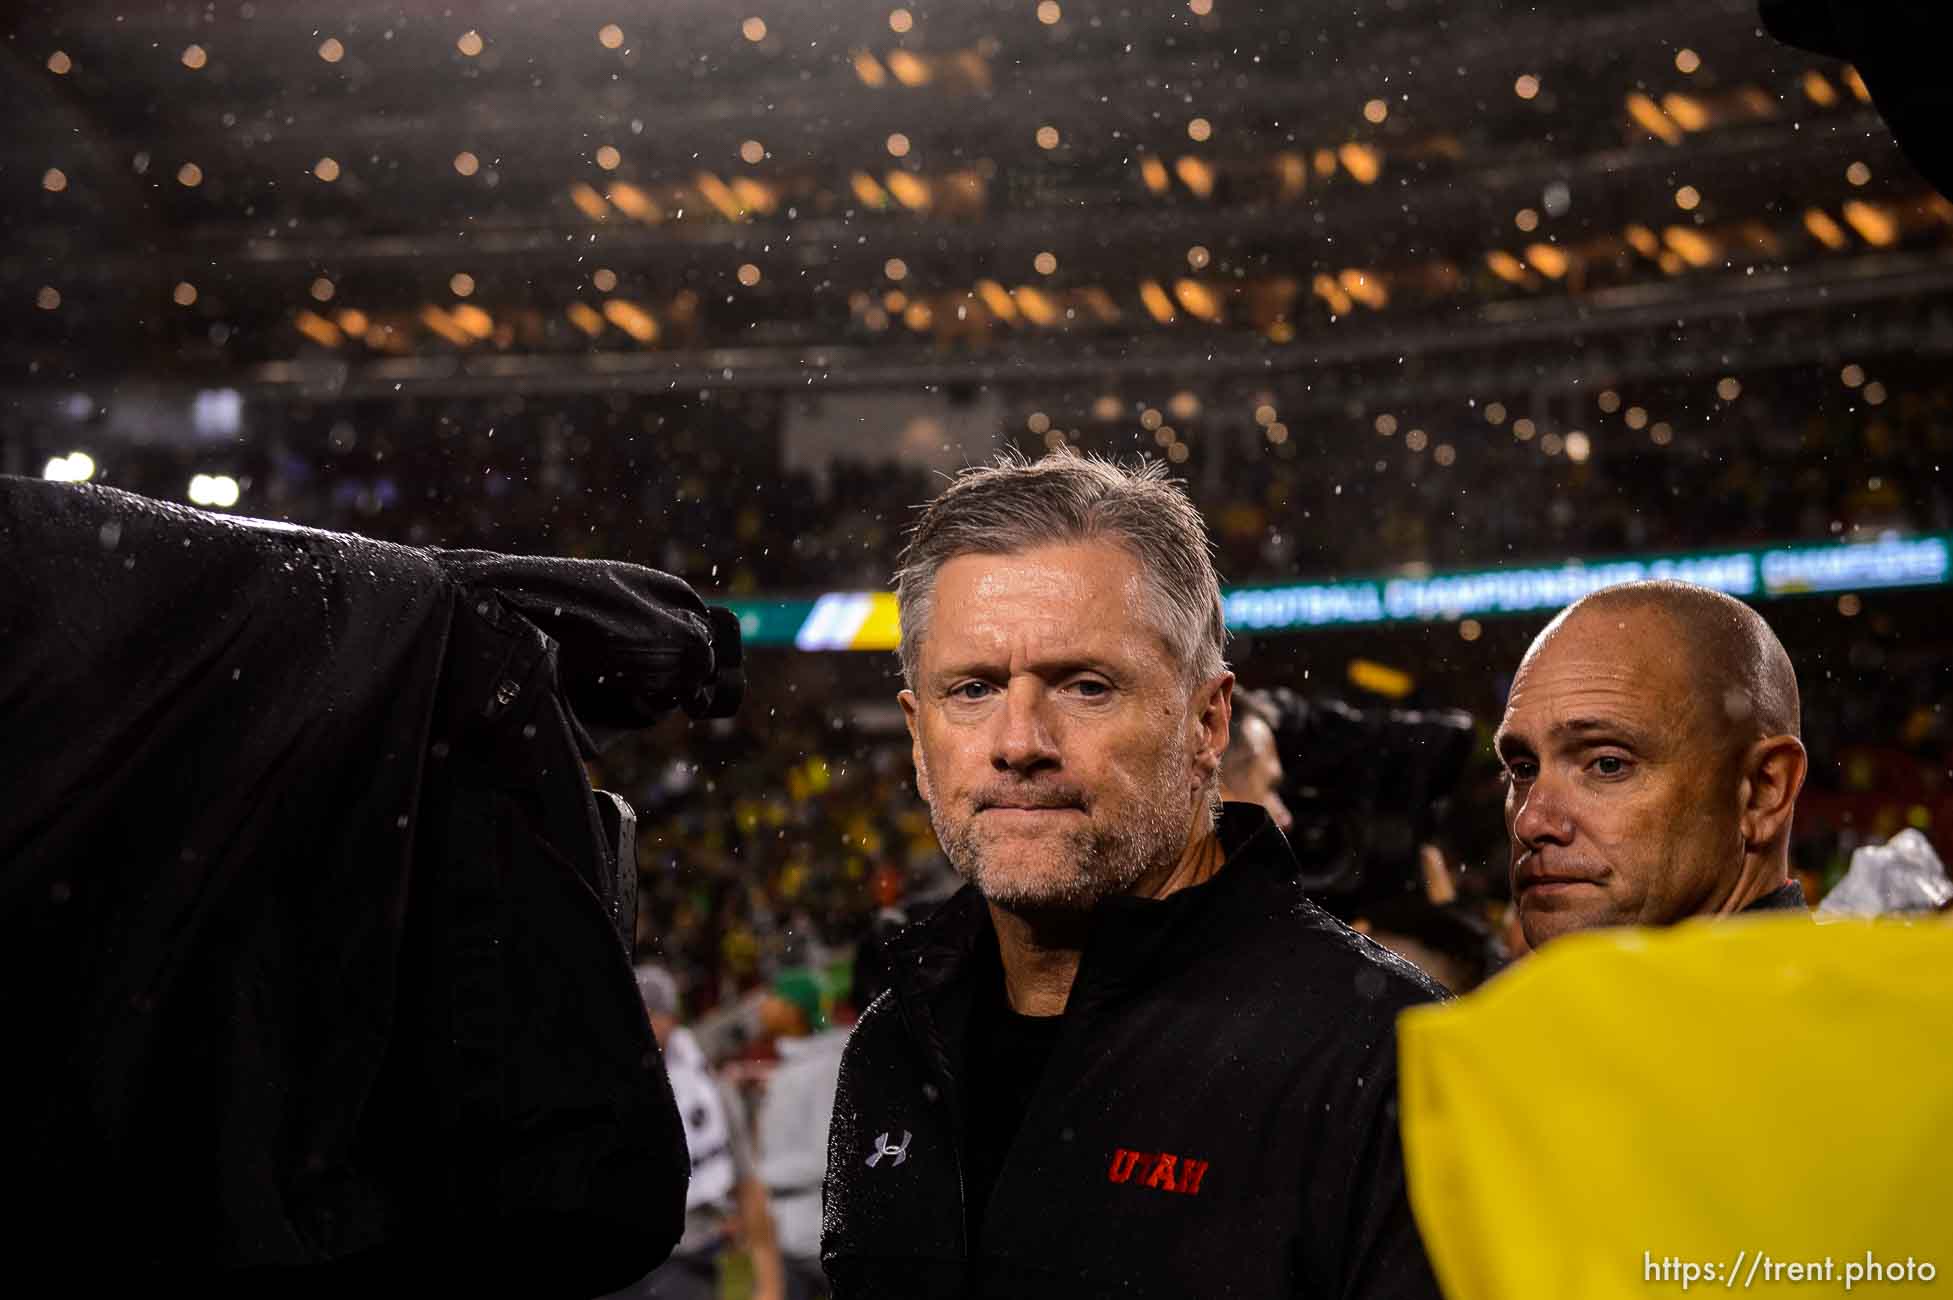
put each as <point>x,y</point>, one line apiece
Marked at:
<point>75,467</point>
<point>219,490</point>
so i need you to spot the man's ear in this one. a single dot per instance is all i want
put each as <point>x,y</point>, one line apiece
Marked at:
<point>1213,715</point>
<point>1773,773</point>
<point>910,716</point>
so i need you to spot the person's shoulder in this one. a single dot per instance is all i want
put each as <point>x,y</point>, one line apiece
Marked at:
<point>1297,933</point>
<point>876,1030</point>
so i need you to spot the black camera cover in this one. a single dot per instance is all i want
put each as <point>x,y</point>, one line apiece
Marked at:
<point>311,931</point>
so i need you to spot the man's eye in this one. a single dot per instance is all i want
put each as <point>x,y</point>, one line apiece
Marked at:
<point>1611,765</point>
<point>1520,772</point>
<point>1090,688</point>
<point>969,691</point>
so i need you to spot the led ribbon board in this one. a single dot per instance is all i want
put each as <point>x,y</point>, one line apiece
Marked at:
<point>866,620</point>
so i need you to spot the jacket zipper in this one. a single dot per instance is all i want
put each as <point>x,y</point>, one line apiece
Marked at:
<point>938,1065</point>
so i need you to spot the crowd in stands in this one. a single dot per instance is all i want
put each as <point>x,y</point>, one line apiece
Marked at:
<point>701,489</point>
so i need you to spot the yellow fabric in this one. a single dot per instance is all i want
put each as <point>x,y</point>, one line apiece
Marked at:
<point>1758,1085</point>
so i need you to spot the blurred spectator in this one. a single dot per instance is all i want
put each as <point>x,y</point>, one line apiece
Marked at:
<point>794,1114</point>
<point>726,1201</point>
<point>1251,769</point>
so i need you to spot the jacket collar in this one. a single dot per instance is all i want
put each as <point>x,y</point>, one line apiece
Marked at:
<point>1134,941</point>
<point>1783,898</point>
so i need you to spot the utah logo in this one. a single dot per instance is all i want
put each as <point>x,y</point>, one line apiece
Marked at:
<point>1159,1170</point>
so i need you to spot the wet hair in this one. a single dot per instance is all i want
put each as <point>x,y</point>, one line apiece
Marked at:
<point>1018,504</point>
<point>1749,685</point>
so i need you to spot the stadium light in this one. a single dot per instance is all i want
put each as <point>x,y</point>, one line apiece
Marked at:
<point>75,467</point>
<point>218,490</point>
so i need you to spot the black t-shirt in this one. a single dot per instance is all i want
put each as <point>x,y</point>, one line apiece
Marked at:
<point>1006,1056</point>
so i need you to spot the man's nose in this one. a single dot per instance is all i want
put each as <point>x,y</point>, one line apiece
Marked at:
<point>1023,741</point>
<point>1540,815</point>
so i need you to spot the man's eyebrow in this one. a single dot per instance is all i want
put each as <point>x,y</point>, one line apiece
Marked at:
<point>1051,669</point>
<point>1602,728</point>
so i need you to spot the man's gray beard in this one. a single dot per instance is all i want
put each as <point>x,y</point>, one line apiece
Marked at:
<point>1103,862</point>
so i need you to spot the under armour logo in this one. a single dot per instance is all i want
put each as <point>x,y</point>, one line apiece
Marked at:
<point>882,1148</point>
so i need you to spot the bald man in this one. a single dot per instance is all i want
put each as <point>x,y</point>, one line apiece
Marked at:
<point>1652,757</point>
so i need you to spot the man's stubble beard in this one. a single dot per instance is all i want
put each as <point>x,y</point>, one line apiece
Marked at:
<point>1080,867</point>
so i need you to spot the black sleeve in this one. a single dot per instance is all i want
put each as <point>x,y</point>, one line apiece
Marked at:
<point>1357,1194</point>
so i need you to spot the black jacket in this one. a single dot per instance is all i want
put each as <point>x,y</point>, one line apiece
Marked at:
<point>310,945</point>
<point>1233,1027</point>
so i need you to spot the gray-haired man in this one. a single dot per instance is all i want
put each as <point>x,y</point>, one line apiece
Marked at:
<point>1128,1057</point>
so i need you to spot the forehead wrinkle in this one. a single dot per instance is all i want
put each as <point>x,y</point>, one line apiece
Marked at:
<point>1041,612</point>
<point>1566,685</point>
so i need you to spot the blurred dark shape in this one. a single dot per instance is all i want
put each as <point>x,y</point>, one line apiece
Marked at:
<point>629,635</point>
<point>1366,787</point>
<point>311,924</point>
<point>869,976</point>
<point>1444,940</point>
<point>1899,48</point>
<point>619,821</point>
